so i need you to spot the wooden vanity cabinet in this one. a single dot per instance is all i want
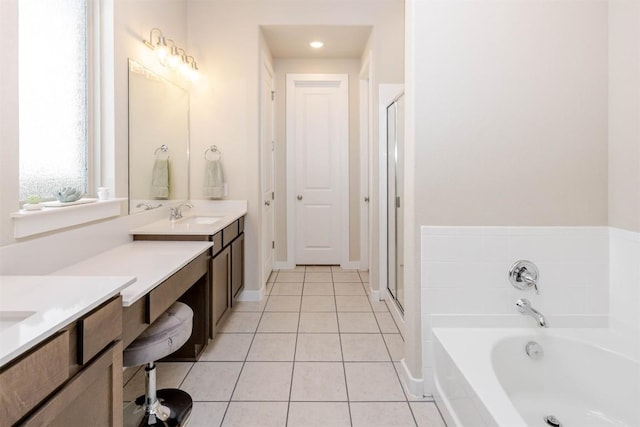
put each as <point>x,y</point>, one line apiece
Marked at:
<point>72,378</point>
<point>226,267</point>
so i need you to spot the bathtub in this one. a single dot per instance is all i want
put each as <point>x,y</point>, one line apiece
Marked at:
<point>584,377</point>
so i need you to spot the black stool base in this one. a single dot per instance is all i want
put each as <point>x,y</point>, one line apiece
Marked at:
<point>178,401</point>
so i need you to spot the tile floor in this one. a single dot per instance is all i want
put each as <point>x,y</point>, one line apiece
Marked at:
<point>314,352</point>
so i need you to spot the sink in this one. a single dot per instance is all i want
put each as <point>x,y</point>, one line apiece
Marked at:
<point>203,220</point>
<point>11,318</point>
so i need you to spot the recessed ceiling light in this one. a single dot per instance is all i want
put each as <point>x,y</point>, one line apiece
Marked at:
<point>316,44</point>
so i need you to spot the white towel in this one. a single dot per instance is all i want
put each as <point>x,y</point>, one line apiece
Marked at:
<point>213,179</point>
<point>160,179</point>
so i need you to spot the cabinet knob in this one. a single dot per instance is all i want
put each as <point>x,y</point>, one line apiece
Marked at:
<point>299,197</point>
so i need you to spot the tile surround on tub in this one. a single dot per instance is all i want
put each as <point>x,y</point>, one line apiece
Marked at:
<point>465,281</point>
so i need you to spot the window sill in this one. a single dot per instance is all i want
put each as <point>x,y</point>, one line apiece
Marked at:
<point>29,223</point>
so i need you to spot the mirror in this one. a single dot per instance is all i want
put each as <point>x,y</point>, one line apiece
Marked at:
<point>395,200</point>
<point>158,140</point>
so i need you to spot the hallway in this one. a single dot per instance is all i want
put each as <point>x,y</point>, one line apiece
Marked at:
<point>314,352</point>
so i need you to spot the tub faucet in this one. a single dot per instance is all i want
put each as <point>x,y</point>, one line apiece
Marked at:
<point>523,306</point>
<point>176,213</point>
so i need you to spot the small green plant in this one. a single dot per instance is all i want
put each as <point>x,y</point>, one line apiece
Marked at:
<point>33,199</point>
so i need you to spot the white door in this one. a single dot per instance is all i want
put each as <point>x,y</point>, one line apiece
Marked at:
<point>267,173</point>
<point>317,110</point>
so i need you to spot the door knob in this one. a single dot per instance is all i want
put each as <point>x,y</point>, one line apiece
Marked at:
<point>299,197</point>
<point>267,203</point>
<point>366,199</point>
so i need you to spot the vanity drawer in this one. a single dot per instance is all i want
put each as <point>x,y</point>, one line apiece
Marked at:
<point>162,297</point>
<point>217,243</point>
<point>229,233</point>
<point>33,377</point>
<point>98,329</point>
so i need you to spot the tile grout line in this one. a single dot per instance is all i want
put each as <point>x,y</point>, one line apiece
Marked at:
<point>344,366</point>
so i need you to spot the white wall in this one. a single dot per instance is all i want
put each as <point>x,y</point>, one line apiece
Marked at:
<point>225,37</point>
<point>125,23</point>
<point>509,125</point>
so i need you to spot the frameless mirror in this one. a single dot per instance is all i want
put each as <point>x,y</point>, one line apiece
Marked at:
<point>158,140</point>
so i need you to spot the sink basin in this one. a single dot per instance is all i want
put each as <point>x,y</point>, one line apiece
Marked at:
<point>202,220</point>
<point>11,318</point>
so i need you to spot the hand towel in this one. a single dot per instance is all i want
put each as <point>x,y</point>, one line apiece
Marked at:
<point>213,179</point>
<point>160,179</point>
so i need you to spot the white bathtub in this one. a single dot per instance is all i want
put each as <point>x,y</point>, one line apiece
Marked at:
<point>585,378</point>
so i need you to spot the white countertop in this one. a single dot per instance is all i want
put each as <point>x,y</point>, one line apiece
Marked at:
<point>55,303</point>
<point>192,223</point>
<point>151,262</point>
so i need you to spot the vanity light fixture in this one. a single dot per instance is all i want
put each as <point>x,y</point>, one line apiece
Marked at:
<point>316,44</point>
<point>169,53</point>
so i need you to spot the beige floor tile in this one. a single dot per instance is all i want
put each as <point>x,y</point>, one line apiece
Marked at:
<point>212,381</point>
<point>386,322</point>
<point>319,414</point>
<point>426,414</point>
<point>316,303</point>
<point>289,277</point>
<point>285,288</point>
<point>364,276</point>
<point>352,303</point>
<point>318,277</point>
<point>381,414</point>
<point>268,381</point>
<point>227,348</point>
<point>240,322</point>
<point>207,413</point>
<point>338,269</point>
<point>299,268</point>
<point>267,289</point>
<point>256,306</point>
<point>272,348</point>
<point>373,382</point>
<point>273,276</point>
<point>357,323</point>
<point>318,348</point>
<point>349,289</point>
<point>318,288</point>
<point>168,375</point>
<point>318,323</point>
<point>345,277</point>
<point>255,414</point>
<point>282,303</point>
<point>364,348</point>
<point>278,322</point>
<point>379,306</point>
<point>395,345</point>
<point>318,269</point>
<point>318,381</point>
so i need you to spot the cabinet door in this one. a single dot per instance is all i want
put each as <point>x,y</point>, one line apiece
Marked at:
<point>220,277</point>
<point>91,398</point>
<point>237,267</point>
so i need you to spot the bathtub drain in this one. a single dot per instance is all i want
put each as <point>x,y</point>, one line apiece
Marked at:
<point>552,421</point>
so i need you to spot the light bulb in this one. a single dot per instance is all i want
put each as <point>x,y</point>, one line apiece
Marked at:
<point>316,44</point>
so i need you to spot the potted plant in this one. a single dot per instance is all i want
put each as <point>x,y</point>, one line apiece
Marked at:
<point>32,203</point>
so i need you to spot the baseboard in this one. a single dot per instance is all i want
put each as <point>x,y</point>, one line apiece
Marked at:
<point>415,386</point>
<point>350,265</point>
<point>252,295</point>
<point>283,265</point>
<point>374,295</point>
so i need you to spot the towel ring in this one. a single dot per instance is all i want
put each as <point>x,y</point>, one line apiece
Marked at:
<point>163,148</point>
<point>215,152</point>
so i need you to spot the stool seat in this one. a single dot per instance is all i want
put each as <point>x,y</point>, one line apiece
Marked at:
<point>166,335</point>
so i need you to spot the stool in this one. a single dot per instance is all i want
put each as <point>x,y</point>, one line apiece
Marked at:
<point>166,407</point>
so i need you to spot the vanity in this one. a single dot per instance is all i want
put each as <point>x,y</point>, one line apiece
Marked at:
<point>224,228</point>
<point>61,353</point>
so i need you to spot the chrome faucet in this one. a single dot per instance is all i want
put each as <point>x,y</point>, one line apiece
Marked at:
<point>176,213</point>
<point>523,306</point>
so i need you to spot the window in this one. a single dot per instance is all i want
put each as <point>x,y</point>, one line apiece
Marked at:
<point>53,96</point>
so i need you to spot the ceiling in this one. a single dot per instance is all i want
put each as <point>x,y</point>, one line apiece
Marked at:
<point>292,41</point>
